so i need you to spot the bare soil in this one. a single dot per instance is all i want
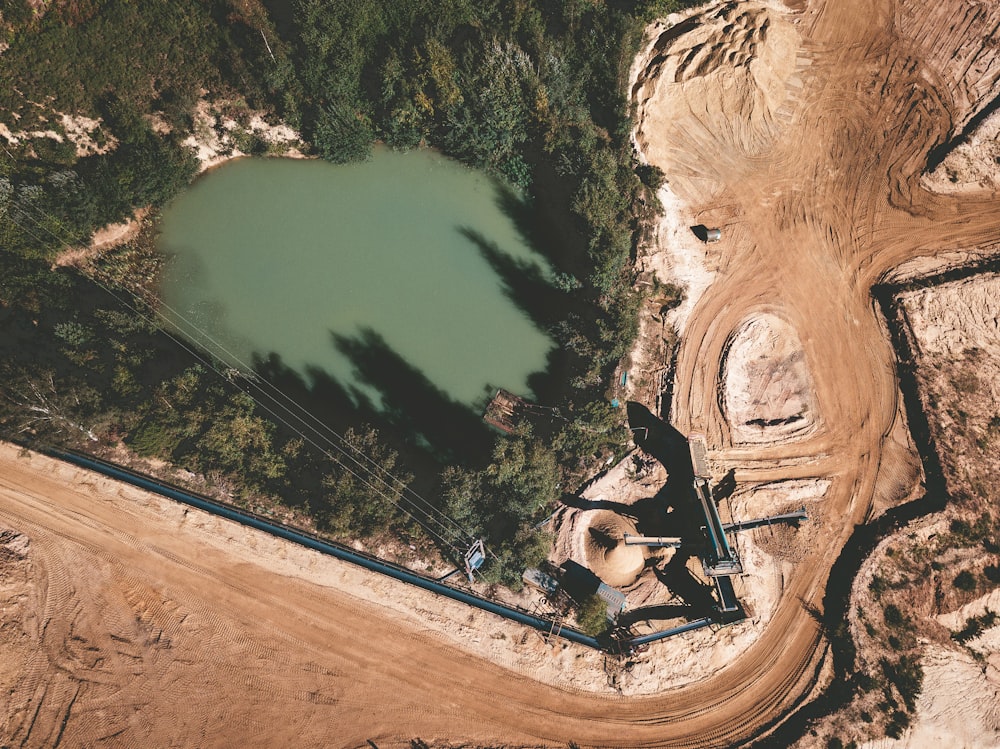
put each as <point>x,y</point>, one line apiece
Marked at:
<point>957,347</point>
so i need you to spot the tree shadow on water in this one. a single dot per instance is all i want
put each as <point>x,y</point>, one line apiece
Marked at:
<point>321,409</point>
<point>412,404</point>
<point>525,284</point>
<point>546,222</point>
<point>326,403</point>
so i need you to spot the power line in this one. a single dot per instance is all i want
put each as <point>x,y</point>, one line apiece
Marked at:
<point>434,534</point>
<point>431,512</point>
<point>317,423</point>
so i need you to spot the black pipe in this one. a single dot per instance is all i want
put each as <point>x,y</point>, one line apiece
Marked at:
<point>347,554</point>
<point>315,543</point>
<point>663,634</point>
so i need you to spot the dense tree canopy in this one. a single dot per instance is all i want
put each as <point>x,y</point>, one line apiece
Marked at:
<point>530,90</point>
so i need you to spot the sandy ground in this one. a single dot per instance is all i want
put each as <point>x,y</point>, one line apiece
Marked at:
<point>78,129</point>
<point>802,132</point>
<point>214,136</point>
<point>973,165</point>
<point>953,319</point>
<point>812,168</point>
<point>767,389</point>
<point>958,707</point>
<point>960,702</point>
<point>127,619</point>
<point>953,325</point>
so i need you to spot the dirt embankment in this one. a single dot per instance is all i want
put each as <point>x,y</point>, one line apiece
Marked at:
<point>810,162</point>
<point>217,137</point>
<point>929,593</point>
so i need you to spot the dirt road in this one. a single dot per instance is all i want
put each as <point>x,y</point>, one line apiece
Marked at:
<point>129,622</point>
<point>125,628</point>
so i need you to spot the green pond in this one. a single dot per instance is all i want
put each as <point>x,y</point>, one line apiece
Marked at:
<point>329,266</point>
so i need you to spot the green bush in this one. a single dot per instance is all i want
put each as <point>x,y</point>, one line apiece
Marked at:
<point>877,586</point>
<point>974,626</point>
<point>893,616</point>
<point>592,615</point>
<point>899,723</point>
<point>342,135</point>
<point>965,581</point>
<point>907,675</point>
<point>521,89</point>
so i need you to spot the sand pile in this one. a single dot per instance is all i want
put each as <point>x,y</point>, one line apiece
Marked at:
<point>710,91</point>
<point>768,389</point>
<point>605,550</point>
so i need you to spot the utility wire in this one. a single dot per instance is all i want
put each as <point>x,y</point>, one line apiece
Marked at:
<point>434,534</point>
<point>318,425</point>
<point>429,509</point>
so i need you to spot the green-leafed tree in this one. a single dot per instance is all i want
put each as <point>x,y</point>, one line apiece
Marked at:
<point>364,492</point>
<point>592,615</point>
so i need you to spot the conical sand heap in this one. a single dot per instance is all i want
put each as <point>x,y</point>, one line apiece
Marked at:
<point>607,554</point>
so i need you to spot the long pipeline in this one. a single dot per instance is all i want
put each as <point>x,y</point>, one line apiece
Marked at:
<point>324,547</point>
<point>347,554</point>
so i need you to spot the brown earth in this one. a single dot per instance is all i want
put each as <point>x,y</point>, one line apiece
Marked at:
<point>954,331</point>
<point>803,133</point>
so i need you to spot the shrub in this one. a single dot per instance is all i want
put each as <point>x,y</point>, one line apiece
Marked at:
<point>877,586</point>
<point>960,527</point>
<point>592,615</point>
<point>965,581</point>
<point>865,681</point>
<point>974,625</point>
<point>893,616</point>
<point>900,721</point>
<point>907,676</point>
<point>966,381</point>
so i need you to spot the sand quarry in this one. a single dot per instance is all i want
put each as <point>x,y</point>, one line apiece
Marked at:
<point>801,129</point>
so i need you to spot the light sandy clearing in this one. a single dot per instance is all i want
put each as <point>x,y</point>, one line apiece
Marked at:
<point>958,707</point>
<point>954,318</point>
<point>973,165</point>
<point>214,136</point>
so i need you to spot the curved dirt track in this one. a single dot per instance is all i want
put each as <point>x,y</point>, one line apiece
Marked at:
<point>148,636</point>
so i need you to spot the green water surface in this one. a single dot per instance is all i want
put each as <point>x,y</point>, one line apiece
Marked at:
<point>283,256</point>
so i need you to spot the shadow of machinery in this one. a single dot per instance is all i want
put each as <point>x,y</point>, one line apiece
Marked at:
<point>661,612</point>
<point>679,580</point>
<point>701,232</point>
<point>661,440</point>
<point>726,486</point>
<point>672,510</point>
